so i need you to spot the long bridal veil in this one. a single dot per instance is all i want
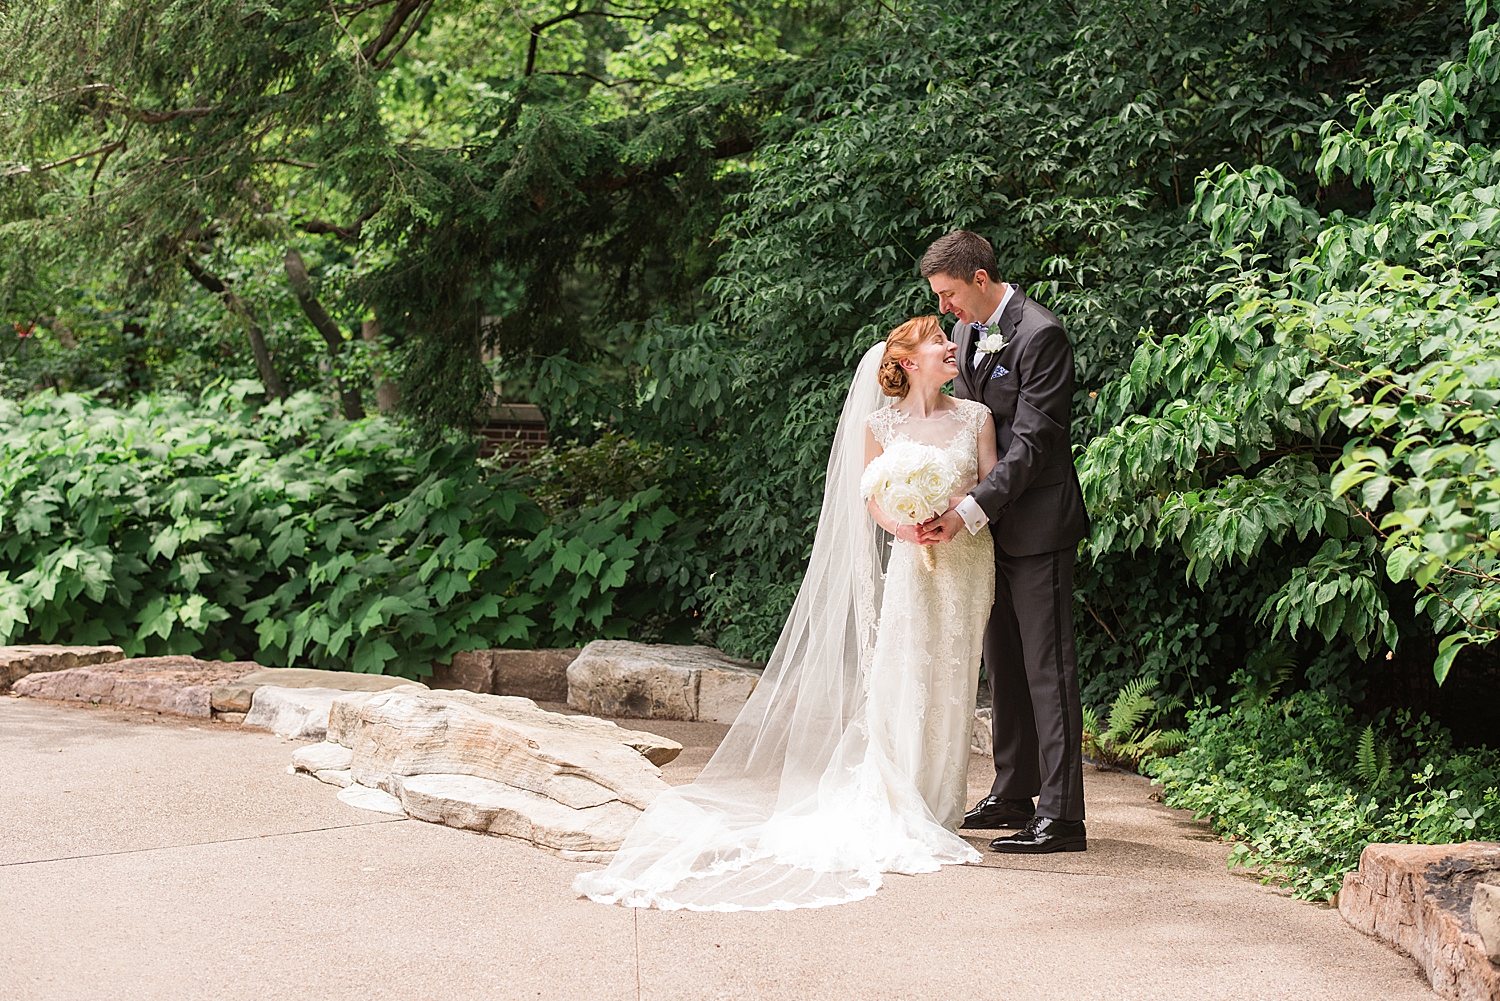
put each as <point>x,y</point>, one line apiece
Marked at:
<point>790,811</point>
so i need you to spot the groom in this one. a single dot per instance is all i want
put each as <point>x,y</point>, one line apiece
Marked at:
<point>1015,358</point>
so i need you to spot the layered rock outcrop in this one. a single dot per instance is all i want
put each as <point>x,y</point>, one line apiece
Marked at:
<point>572,785</point>
<point>239,695</point>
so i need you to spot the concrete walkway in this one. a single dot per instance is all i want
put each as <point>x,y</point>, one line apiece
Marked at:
<point>152,857</point>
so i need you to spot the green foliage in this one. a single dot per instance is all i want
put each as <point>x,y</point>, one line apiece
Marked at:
<point>1302,787</point>
<point>1070,135</point>
<point>1127,737</point>
<point>284,535</point>
<point>1342,406</point>
<point>537,171</point>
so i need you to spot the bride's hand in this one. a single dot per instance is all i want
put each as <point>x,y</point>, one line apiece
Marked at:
<point>908,533</point>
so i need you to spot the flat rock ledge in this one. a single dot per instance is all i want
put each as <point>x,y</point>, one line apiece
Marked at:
<point>16,662</point>
<point>570,785</point>
<point>223,690</point>
<point>1423,899</point>
<point>658,681</point>
<point>182,685</point>
<point>238,696</point>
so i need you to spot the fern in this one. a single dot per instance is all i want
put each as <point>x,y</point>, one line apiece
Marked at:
<point>1372,758</point>
<point>1130,707</point>
<point>1364,757</point>
<point>1129,737</point>
<point>1267,670</point>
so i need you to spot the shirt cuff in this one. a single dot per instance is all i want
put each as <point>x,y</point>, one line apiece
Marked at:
<point>973,515</point>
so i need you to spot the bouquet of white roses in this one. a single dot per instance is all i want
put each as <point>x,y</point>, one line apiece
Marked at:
<point>912,483</point>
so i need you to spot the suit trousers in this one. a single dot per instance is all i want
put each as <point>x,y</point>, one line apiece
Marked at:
<point>1032,664</point>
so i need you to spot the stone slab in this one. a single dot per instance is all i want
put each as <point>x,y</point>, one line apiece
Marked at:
<point>468,671</point>
<point>326,756</point>
<point>571,785</point>
<point>181,685</point>
<point>722,694</point>
<point>982,741</point>
<point>16,662</point>
<point>237,697</point>
<point>540,675</point>
<point>476,804</point>
<point>624,679</point>
<point>299,713</point>
<point>1418,898</point>
<point>371,799</point>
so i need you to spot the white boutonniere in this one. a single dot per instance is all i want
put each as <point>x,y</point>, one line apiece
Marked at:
<point>991,344</point>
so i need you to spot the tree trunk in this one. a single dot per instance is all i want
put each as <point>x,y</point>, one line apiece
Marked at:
<point>387,394</point>
<point>296,271</point>
<point>237,306</point>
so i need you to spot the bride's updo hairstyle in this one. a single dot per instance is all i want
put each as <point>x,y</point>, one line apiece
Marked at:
<point>903,343</point>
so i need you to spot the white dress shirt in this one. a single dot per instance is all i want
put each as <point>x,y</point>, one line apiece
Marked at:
<point>968,509</point>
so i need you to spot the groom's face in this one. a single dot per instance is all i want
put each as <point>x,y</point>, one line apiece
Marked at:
<point>969,300</point>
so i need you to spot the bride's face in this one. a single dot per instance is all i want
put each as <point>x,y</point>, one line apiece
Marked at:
<point>934,360</point>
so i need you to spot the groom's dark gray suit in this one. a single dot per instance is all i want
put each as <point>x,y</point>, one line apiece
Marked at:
<point>1036,516</point>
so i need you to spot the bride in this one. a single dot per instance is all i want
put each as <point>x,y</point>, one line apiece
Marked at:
<point>851,758</point>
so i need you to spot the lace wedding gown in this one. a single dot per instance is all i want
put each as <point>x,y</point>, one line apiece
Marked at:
<point>850,759</point>
<point>926,665</point>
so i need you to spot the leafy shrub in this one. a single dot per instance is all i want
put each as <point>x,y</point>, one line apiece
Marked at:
<point>287,536</point>
<point>1337,413</point>
<point>1301,786</point>
<point>1057,131</point>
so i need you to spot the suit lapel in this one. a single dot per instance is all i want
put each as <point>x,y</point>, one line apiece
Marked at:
<point>1006,327</point>
<point>965,350</point>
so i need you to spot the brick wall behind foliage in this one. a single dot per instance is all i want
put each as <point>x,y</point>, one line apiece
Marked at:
<point>1468,702</point>
<point>517,431</point>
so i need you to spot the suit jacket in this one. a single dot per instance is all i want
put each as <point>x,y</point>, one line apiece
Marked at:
<point>1032,496</point>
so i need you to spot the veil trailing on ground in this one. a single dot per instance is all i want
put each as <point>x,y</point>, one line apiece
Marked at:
<point>770,823</point>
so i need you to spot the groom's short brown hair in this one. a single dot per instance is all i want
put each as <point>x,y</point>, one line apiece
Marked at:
<point>959,254</point>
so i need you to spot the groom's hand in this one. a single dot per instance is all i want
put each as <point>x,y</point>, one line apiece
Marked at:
<point>940,529</point>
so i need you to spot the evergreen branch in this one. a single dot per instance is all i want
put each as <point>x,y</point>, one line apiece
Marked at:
<point>392,27</point>
<point>107,148</point>
<point>350,232</point>
<point>98,167</point>
<point>535,30</point>
<point>606,83</point>
<point>160,117</point>
<point>410,31</point>
<point>730,146</point>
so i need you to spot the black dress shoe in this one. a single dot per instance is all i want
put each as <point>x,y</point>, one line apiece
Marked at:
<point>993,812</point>
<point>1044,835</point>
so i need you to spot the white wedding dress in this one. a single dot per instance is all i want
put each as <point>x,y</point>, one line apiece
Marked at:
<point>850,760</point>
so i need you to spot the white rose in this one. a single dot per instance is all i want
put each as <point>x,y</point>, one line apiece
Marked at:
<point>992,344</point>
